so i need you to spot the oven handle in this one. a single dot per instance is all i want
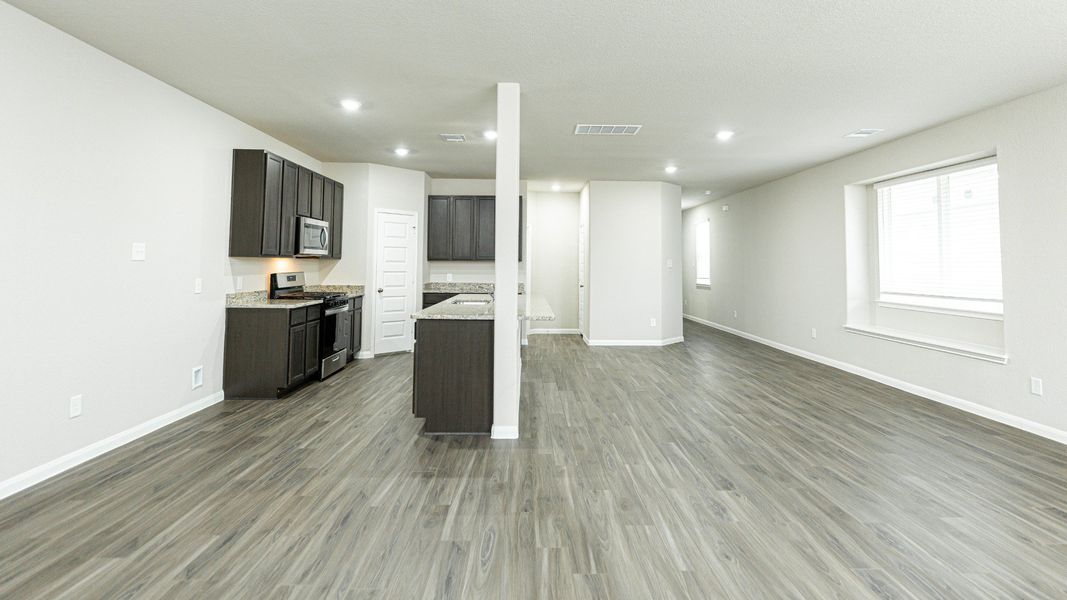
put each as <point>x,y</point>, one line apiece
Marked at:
<point>335,311</point>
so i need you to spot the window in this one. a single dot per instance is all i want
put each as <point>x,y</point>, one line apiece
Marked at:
<point>703,240</point>
<point>939,239</point>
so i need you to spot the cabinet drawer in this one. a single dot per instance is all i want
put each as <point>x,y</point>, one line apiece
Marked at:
<point>298,316</point>
<point>314,312</point>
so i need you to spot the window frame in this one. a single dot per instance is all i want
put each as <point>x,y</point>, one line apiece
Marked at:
<point>967,307</point>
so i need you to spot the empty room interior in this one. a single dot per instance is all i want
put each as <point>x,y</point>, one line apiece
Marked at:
<point>596,300</point>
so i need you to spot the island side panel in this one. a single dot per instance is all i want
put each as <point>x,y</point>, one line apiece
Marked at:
<point>454,375</point>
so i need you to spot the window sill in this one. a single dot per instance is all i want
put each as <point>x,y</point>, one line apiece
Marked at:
<point>976,351</point>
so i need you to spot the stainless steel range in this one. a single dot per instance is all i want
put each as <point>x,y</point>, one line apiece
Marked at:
<point>336,329</point>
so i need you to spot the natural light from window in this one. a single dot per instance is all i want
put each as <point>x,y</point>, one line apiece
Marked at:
<point>939,239</point>
<point>703,242</point>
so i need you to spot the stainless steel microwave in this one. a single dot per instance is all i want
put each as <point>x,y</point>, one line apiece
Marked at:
<point>313,237</point>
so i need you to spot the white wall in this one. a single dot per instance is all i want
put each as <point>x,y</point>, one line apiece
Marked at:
<point>99,155</point>
<point>629,245</point>
<point>783,244</point>
<point>554,256</point>
<point>351,269</point>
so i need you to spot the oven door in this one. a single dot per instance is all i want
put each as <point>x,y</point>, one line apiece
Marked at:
<point>314,238</point>
<point>335,333</point>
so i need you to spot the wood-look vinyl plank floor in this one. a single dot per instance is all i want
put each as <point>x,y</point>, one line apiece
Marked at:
<point>716,468</point>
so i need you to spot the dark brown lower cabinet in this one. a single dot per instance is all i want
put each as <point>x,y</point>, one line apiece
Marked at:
<point>355,342</point>
<point>453,376</point>
<point>270,351</point>
<point>431,298</point>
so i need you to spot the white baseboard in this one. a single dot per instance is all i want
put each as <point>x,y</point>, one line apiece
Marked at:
<point>1056,435</point>
<point>553,332</point>
<point>504,432</point>
<point>52,468</point>
<point>666,342</point>
<point>364,354</point>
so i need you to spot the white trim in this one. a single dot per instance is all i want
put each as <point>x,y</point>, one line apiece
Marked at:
<point>364,354</point>
<point>1051,433</point>
<point>504,432</point>
<point>975,351</point>
<point>54,467</point>
<point>666,342</point>
<point>552,332</point>
<point>941,310</point>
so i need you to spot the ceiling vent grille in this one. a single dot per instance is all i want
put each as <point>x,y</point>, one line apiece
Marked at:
<point>585,129</point>
<point>453,137</point>
<point>862,133</point>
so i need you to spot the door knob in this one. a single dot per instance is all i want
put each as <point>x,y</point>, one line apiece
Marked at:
<point>380,290</point>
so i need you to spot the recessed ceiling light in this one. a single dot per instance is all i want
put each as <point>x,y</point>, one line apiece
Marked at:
<point>724,135</point>
<point>670,169</point>
<point>401,152</point>
<point>862,133</point>
<point>555,187</point>
<point>351,105</point>
<point>489,134</point>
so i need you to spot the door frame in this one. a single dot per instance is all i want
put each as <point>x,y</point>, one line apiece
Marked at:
<point>370,293</point>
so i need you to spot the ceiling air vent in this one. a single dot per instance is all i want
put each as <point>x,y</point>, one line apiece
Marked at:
<point>862,133</point>
<point>453,137</point>
<point>584,129</point>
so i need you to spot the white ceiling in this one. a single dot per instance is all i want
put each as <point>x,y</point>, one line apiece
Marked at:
<point>791,77</point>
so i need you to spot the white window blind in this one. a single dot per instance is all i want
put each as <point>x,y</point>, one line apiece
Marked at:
<point>939,239</point>
<point>703,250</point>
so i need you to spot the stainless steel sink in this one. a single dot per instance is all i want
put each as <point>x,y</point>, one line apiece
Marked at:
<point>472,302</point>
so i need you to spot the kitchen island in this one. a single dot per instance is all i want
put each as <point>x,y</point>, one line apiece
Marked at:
<point>453,372</point>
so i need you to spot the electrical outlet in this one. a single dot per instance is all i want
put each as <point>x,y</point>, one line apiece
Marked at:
<point>735,314</point>
<point>238,283</point>
<point>652,322</point>
<point>814,334</point>
<point>198,376</point>
<point>725,208</point>
<point>198,285</point>
<point>1037,388</point>
<point>75,406</point>
<point>448,277</point>
<point>670,263</point>
<point>138,251</point>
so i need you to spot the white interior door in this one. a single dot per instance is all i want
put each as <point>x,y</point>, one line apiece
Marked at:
<point>396,261</point>
<point>581,278</point>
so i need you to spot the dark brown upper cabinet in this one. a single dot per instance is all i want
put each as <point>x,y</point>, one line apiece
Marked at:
<point>256,204</point>
<point>303,193</point>
<point>463,228</point>
<point>336,228</point>
<point>268,194</point>
<point>316,195</point>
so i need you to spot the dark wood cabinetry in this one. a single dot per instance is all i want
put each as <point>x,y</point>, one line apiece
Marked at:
<point>355,342</point>
<point>431,298</point>
<point>270,351</point>
<point>453,390</point>
<point>268,194</point>
<point>463,228</point>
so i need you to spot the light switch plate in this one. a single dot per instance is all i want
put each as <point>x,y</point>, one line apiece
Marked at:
<point>75,406</point>
<point>138,251</point>
<point>448,277</point>
<point>198,376</point>
<point>198,285</point>
<point>1037,387</point>
<point>238,283</point>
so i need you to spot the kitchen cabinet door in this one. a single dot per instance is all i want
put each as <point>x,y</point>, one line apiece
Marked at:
<point>327,212</point>
<point>337,226</point>
<point>297,353</point>
<point>485,226</point>
<point>303,193</point>
<point>356,342</point>
<point>311,347</point>
<point>316,195</point>
<point>290,182</point>
<point>463,234</point>
<point>272,206</point>
<point>439,228</point>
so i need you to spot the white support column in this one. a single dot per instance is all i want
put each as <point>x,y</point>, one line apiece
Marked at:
<point>506,356</point>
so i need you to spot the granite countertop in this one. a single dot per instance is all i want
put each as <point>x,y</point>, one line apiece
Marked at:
<point>462,287</point>
<point>258,298</point>
<point>450,310</point>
